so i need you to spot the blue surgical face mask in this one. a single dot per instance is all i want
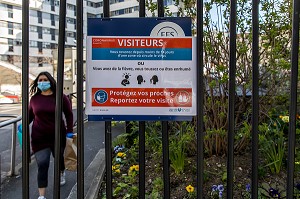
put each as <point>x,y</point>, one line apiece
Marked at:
<point>43,86</point>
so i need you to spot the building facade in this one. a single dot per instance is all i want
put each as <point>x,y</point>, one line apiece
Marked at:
<point>44,29</point>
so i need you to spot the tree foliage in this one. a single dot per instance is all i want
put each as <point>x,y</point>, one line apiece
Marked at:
<point>275,30</point>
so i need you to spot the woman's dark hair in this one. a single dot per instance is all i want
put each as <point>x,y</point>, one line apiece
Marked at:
<point>35,90</point>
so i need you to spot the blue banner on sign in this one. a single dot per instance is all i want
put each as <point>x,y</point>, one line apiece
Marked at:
<point>133,26</point>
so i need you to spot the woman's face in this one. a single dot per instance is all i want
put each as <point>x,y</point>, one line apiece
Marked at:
<point>43,78</point>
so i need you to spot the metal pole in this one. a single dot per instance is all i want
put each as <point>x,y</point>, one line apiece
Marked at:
<point>160,8</point>
<point>59,97</point>
<point>108,144</point>
<point>166,168</point>
<point>293,100</point>
<point>13,150</point>
<point>142,160</point>
<point>165,136</point>
<point>200,100</point>
<point>80,112</point>
<point>142,127</point>
<point>232,69</point>
<point>25,99</point>
<point>142,10</point>
<point>255,96</point>
<point>108,159</point>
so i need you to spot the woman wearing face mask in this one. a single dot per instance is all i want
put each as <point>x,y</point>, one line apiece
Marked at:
<point>42,113</point>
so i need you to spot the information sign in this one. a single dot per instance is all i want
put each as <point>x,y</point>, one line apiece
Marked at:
<point>142,77</point>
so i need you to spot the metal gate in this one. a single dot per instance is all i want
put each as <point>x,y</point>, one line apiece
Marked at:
<point>200,110</point>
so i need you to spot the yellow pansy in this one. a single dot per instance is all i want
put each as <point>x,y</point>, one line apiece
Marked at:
<point>190,188</point>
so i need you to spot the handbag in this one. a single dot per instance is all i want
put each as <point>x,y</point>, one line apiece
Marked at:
<point>70,154</point>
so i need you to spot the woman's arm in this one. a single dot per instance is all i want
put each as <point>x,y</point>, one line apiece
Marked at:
<point>30,111</point>
<point>67,109</point>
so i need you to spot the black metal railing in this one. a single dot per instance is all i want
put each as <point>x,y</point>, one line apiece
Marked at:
<point>200,95</point>
<point>13,122</point>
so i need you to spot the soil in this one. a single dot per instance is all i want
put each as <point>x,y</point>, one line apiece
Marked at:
<point>214,173</point>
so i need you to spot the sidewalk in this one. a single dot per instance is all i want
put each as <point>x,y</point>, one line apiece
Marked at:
<point>94,163</point>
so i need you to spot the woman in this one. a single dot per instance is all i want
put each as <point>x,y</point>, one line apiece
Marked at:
<point>42,113</point>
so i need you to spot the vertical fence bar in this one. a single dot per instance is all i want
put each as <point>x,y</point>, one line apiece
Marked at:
<point>13,150</point>
<point>79,85</point>
<point>108,144</point>
<point>165,136</point>
<point>142,160</point>
<point>142,126</point>
<point>160,8</point>
<point>59,97</point>
<point>108,160</point>
<point>166,168</point>
<point>232,69</point>
<point>106,8</point>
<point>128,127</point>
<point>142,9</point>
<point>293,100</point>
<point>200,100</point>
<point>255,97</point>
<point>25,99</point>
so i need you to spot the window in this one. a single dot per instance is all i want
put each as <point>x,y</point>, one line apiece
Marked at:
<point>40,32</point>
<point>70,34</point>
<point>128,10</point>
<point>18,43</point>
<point>52,32</point>
<point>40,16</point>
<point>10,15</point>
<point>53,46</point>
<point>46,30</point>
<point>9,7</point>
<point>46,45</point>
<point>71,21</point>
<point>10,42</point>
<point>90,15</point>
<point>121,12</point>
<point>18,26</point>
<point>33,44</point>
<point>33,13</point>
<point>71,7</point>
<point>40,47</point>
<point>10,25</point>
<point>32,28</point>
<point>10,48</point>
<point>46,16</point>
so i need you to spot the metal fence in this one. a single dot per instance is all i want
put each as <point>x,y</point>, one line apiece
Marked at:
<point>200,110</point>
<point>12,122</point>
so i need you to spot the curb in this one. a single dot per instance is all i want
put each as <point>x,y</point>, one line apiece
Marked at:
<point>93,176</point>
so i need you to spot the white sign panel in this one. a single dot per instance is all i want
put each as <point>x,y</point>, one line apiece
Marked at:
<point>141,76</point>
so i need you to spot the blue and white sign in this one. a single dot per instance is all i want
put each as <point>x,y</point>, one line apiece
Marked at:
<point>140,69</point>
